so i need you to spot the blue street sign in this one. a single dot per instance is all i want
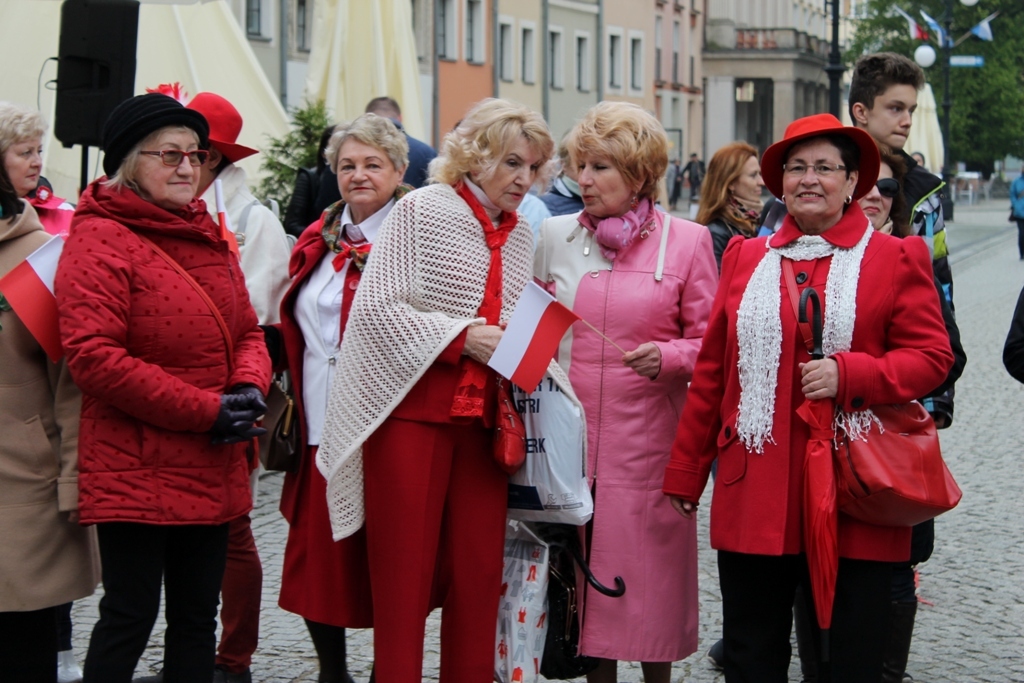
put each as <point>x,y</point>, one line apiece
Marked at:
<point>967,60</point>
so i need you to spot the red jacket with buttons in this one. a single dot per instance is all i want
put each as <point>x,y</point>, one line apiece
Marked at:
<point>900,351</point>
<point>152,361</point>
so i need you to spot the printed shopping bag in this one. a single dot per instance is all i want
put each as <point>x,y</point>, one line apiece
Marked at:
<point>522,610</point>
<point>551,486</point>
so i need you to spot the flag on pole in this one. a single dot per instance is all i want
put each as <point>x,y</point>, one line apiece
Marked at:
<point>222,217</point>
<point>28,288</point>
<point>916,32</point>
<point>531,337</point>
<point>983,30</point>
<point>934,26</point>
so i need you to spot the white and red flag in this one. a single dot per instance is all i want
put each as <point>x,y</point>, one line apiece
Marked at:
<point>531,337</point>
<point>28,288</point>
<point>222,217</point>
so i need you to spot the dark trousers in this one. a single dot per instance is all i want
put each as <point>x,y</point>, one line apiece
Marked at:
<point>64,627</point>
<point>757,605</point>
<point>28,646</point>
<point>241,593</point>
<point>1020,237</point>
<point>190,560</point>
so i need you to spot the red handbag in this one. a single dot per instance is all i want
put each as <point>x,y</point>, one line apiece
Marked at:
<point>509,431</point>
<point>896,477</point>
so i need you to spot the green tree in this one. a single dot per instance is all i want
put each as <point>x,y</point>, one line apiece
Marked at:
<point>284,156</point>
<point>986,121</point>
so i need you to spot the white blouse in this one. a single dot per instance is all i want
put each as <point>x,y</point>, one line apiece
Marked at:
<point>318,313</point>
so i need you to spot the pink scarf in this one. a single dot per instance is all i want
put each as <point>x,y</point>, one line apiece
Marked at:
<point>616,234</point>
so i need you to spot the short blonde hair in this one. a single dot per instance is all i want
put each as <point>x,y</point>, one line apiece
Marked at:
<point>375,131</point>
<point>18,123</point>
<point>629,137</point>
<point>127,174</point>
<point>486,135</point>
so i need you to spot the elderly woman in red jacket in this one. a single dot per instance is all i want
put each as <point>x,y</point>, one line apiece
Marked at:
<point>884,343</point>
<point>163,343</point>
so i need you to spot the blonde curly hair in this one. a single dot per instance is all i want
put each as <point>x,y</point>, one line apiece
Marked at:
<point>485,136</point>
<point>19,123</point>
<point>375,131</point>
<point>629,137</point>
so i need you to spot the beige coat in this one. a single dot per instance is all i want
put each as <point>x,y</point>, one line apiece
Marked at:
<point>45,560</point>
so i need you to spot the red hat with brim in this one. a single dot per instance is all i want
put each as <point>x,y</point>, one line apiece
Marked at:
<point>811,127</point>
<point>225,125</point>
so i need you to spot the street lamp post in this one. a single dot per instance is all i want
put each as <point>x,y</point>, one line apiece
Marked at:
<point>835,67</point>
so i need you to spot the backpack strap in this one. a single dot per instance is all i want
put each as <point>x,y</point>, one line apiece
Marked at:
<point>243,220</point>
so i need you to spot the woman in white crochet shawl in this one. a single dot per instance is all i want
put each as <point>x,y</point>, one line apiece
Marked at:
<point>412,404</point>
<point>884,342</point>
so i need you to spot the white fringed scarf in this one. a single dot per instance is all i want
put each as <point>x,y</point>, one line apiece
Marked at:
<point>759,332</point>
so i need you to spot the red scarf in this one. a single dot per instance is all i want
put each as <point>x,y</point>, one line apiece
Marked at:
<point>470,392</point>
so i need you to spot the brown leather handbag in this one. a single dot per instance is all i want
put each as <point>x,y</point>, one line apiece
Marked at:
<point>509,431</point>
<point>281,448</point>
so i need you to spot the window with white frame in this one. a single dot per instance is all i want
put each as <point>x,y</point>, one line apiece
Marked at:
<point>582,57</point>
<point>301,25</point>
<point>636,63</point>
<point>446,30</point>
<point>254,17</point>
<point>615,60</point>
<point>657,48</point>
<point>556,58</point>
<point>676,40</point>
<point>506,50</point>
<point>528,52</point>
<point>475,46</point>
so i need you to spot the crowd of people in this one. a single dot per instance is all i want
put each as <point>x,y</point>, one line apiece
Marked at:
<point>133,459</point>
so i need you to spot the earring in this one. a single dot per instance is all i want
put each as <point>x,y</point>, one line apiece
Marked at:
<point>782,199</point>
<point>634,202</point>
<point>849,198</point>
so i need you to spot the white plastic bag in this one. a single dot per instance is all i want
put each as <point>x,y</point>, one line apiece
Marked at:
<point>551,486</point>
<point>522,611</point>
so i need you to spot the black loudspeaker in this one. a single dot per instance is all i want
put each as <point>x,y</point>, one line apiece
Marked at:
<point>96,66</point>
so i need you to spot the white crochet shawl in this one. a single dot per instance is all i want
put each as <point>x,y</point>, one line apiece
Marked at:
<point>423,284</point>
<point>759,332</point>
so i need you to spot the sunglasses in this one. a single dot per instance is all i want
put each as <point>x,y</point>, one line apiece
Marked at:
<point>173,157</point>
<point>888,187</point>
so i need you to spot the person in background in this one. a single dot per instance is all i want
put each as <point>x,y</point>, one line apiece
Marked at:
<point>535,211</point>
<point>918,157</point>
<point>328,583</point>
<point>564,196</point>
<point>420,153</point>
<point>1017,209</point>
<point>694,170</point>
<point>408,436</point>
<point>21,149</point>
<point>646,281</point>
<point>1013,349</point>
<point>48,560</point>
<point>673,180</point>
<point>731,199</point>
<point>171,387</point>
<point>304,206</point>
<point>882,319</point>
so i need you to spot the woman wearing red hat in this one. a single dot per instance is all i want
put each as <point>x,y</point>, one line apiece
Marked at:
<point>884,342</point>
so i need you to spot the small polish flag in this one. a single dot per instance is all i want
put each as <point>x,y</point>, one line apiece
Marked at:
<point>531,337</point>
<point>222,217</point>
<point>28,288</point>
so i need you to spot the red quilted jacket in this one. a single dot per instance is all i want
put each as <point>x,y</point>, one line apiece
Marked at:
<point>152,362</point>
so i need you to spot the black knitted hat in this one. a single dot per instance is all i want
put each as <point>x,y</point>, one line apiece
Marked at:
<point>134,119</point>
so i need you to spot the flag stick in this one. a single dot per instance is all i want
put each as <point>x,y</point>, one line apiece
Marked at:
<point>602,336</point>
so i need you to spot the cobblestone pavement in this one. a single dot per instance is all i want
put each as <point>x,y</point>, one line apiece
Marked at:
<point>970,628</point>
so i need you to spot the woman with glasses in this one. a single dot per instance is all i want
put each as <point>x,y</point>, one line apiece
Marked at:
<point>163,343</point>
<point>884,342</point>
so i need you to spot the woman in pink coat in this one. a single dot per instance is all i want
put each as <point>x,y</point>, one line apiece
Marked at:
<point>646,281</point>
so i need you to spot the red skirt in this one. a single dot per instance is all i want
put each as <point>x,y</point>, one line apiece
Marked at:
<point>322,580</point>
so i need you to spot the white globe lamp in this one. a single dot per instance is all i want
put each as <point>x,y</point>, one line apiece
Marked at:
<point>924,55</point>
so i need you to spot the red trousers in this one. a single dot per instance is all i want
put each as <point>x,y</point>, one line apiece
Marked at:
<point>435,521</point>
<point>241,592</point>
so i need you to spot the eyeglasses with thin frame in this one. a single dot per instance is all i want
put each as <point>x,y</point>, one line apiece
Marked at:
<point>173,157</point>
<point>820,170</point>
<point>888,187</point>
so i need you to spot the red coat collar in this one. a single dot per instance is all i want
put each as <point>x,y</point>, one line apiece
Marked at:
<point>845,234</point>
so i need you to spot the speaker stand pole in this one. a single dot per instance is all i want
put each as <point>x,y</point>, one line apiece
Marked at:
<point>85,169</point>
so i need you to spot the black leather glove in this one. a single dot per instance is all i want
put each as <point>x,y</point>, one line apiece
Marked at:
<point>235,420</point>
<point>257,401</point>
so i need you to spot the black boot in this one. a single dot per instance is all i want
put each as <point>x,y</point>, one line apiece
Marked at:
<point>897,649</point>
<point>806,645</point>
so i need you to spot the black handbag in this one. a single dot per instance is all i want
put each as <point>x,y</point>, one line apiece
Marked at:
<point>280,448</point>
